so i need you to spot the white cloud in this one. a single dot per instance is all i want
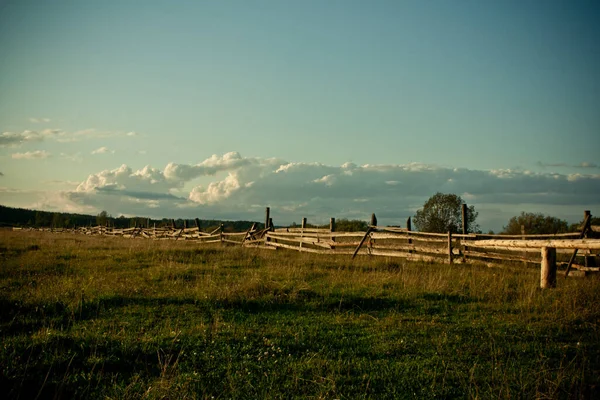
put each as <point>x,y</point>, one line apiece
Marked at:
<point>39,120</point>
<point>30,155</point>
<point>320,191</point>
<point>13,139</point>
<point>584,164</point>
<point>103,150</point>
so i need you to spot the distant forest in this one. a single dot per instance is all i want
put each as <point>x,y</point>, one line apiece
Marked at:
<point>22,217</point>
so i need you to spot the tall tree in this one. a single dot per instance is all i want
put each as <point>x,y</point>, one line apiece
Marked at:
<point>535,224</point>
<point>443,213</point>
<point>102,218</point>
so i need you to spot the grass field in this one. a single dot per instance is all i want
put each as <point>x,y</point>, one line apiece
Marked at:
<point>99,317</point>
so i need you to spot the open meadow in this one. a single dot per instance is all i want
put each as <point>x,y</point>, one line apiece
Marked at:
<point>103,317</point>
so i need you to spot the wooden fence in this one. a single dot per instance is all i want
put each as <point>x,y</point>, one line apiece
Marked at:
<point>548,250</point>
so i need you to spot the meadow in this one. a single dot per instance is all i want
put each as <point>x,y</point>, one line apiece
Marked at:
<point>103,317</point>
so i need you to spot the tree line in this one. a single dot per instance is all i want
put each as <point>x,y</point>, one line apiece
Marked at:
<point>21,217</point>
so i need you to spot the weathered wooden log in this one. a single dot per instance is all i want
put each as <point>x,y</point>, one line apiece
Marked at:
<point>591,244</point>
<point>548,270</point>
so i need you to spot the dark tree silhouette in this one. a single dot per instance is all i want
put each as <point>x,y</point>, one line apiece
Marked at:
<point>442,213</point>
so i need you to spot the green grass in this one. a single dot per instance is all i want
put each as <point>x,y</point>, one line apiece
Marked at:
<point>99,317</point>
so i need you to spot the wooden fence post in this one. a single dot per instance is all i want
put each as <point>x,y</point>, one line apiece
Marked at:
<point>449,247</point>
<point>408,229</point>
<point>303,223</point>
<point>373,220</point>
<point>548,274</point>
<point>332,229</point>
<point>524,254</point>
<point>271,226</point>
<point>267,216</point>
<point>464,218</point>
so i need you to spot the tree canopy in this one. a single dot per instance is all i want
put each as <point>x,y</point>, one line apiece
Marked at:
<point>535,224</point>
<point>442,213</point>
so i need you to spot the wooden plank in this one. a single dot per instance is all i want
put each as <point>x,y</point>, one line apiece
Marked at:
<point>418,249</point>
<point>392,229</point>
<point>541,236</point>
<point>499,256</point>
<point>306,230</point>
<point>326,236</point>
<point>206,238</point>
<point>305,249</point>
<point>473,245</point>
<point>209,241</point>
<point>587,244</point>
<point>294,234</point>
<point>254,242</point>
<point>326,245</point>
<point>410,256</point>
<point>595,228</point>
<point>232,241</point>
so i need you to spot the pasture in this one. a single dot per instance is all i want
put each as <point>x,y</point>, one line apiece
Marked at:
<point>105,317</point>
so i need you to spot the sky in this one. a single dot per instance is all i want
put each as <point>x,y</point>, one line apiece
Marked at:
<point>317,109</point>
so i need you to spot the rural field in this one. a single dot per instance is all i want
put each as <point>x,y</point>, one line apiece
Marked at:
<point>103,317</point>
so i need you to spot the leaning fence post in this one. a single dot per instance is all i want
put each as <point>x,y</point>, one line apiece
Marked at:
<point>586,225</point>
<point>589,261</point>
<point>449,247</point>
<point>548,270</point>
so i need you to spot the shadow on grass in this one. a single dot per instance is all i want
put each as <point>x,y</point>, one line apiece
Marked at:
<point>19,317</point>
<point>62,367</point>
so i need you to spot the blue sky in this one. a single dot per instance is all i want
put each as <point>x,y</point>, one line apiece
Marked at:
<point>374,106</point>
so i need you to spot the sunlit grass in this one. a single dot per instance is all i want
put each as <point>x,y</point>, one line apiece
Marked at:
<point>101,317</point>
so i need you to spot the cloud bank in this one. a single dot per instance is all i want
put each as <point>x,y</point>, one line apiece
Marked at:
<point>235,187</point>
